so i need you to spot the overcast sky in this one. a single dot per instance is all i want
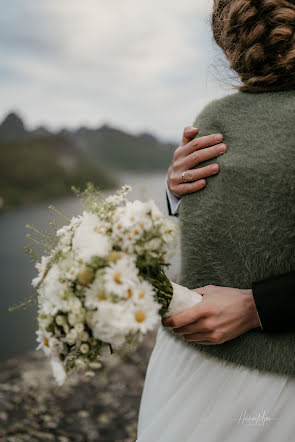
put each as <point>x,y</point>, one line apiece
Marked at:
<point>135,64</point>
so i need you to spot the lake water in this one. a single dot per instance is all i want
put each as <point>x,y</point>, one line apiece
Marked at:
<point>17,329</point>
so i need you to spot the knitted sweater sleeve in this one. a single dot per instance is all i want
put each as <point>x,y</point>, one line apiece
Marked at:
<point>275,297</point>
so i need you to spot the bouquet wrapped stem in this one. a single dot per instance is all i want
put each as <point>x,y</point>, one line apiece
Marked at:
<point>173,297</point>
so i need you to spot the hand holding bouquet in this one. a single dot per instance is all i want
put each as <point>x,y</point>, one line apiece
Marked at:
<point>103,283</point>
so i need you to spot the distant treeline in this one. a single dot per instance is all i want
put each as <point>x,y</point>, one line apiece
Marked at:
<point>38,165</point>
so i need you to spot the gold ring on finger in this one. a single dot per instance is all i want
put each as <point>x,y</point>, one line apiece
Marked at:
<point>183,176</point>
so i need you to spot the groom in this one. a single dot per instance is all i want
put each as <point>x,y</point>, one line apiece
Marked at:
<point>225,312</point>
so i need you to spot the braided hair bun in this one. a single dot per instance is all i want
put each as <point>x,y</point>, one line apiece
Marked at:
<point>258,36</point>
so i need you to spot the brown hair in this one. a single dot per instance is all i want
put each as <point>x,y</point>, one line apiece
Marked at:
<point>259,38</point>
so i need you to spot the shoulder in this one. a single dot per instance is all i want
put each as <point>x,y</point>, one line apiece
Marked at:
<point>224,111</point>
<point>216,108</point>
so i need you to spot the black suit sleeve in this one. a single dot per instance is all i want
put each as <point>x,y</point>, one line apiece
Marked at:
<point>275,302</point>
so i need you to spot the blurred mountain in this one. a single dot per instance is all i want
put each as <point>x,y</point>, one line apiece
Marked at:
<point>40,164</point>
<point>12,128</point>
<point>117,149</point>
<point>44,167</point>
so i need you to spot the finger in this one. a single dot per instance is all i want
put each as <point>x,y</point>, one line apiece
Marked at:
<point>183,189</point>
<point>198,174</point>
<point>195,327</point>
<point>202,142</point>
<point>189,133</point>
<point>205,342</point>
<point>186,317</point>
<point>198,157</point>
<point>199,337</point>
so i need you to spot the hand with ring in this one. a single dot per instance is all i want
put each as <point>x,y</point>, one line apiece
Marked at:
<point>192,151</point>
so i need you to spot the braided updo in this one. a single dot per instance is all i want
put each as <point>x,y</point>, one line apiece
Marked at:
<point>258,36</point>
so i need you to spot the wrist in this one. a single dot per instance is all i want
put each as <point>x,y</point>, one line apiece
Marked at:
<point>253,317</point>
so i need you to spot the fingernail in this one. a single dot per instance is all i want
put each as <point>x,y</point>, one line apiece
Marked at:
<point>215,168</point>
<point>218,137</point>
<point>222,148</point>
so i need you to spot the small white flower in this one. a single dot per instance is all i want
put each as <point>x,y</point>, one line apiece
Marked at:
<point>72,319</point>
<point>80,364</point>
<point>74,305</point>
<point>58,371</point>
<point>70,269</point>
<point>43,319</point>
<point>154,244</point>
<point>94,294</point>
<point>114,200</point>
<point>84,336</point>
<point>51,292</point>
<point>72,337</point>
<point>41,267</point>
<point>87,242</point>
<point>60,320</point>
<point>84,348</point>
<point>79,327</point>
<point>168,230</point>
<point>95,365</point>
<point>156,213</point>
<point>111,323</point>
<point>48,343</point>
<point>43,338</point>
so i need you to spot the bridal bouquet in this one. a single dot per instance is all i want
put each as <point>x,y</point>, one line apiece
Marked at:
<point>102,284</point>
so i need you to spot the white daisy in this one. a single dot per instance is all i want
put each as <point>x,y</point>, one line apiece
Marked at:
<point>121,275</point>
<point>70,268</point>
<point>111,323</point>
<point>48,343</point>
<point>156,213</point>
<point>143,292</point>
<point>114,200</point>
<point>145,315</point>
<point>95,293</point>
<point>168,230</point>
<point>65,229</point>
<point>87,242</point>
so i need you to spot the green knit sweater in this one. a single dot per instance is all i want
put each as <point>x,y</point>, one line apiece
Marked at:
<point>240,227</point>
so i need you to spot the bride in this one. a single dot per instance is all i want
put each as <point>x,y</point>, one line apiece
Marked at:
<point>215,374</point>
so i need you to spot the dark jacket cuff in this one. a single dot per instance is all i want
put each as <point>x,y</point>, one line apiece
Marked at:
<point>275,302</point>
<point>169,207</point>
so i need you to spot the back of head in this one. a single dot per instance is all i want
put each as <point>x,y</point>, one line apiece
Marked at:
<point>258,36</point>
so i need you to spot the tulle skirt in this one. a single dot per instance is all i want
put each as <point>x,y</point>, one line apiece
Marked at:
<point>190,397</point>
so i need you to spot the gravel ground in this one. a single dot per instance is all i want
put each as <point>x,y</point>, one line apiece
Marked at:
<point>102,408</point>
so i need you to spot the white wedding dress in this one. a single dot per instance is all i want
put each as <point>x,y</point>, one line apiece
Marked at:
<point>190,397</point>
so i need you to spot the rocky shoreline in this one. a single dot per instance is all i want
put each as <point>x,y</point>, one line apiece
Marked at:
<point>101,408</point>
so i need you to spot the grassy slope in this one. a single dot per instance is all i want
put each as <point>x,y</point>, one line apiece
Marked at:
<point>44,167</point>
<point>121,150</point>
